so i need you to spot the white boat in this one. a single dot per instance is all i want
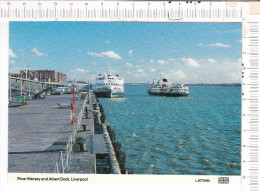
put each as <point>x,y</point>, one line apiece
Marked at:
<point>165,88</point>
<point>109,85</point>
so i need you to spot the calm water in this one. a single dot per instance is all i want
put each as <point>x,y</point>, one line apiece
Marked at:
<point>198,134</point>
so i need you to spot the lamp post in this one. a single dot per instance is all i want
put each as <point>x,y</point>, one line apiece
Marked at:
<point>10,90</point>
<point>29,82</point>
<point>45,81</point>
<point>21,84</point>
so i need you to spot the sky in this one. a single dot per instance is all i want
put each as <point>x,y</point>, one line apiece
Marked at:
<point>138,52</point>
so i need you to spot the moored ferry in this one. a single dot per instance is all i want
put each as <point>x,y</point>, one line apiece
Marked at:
<point>165,88</point>
<point>109,86</point>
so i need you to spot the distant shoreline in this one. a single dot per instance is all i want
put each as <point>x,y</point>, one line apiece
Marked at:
<point>199,84</point>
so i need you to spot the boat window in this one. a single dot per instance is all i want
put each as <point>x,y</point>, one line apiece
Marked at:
<point>171,90</point>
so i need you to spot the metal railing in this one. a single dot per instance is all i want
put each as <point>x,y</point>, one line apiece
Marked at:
<point>63,163</point>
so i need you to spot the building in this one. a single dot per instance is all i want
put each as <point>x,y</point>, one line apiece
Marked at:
<point>45,75</point>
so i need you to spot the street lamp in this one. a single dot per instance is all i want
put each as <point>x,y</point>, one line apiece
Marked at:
<point>10,84</point>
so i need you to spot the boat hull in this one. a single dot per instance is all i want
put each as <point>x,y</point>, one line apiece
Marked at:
<point>172,94</point>
<point>109,94</point>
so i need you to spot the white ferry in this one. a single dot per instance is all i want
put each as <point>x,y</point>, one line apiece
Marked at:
<point>109,85</point>
<point>165,88</point>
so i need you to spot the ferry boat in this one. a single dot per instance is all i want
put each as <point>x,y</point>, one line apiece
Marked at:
<point>165,88</point>
<point>109,86</point>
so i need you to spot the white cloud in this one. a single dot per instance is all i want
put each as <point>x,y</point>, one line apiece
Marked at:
<point>107,41</point>
<point>79,74</point>
<point>21,51</point>
<point>130,52</point>
<point>16,70</point>
<point>142,61</point>
<point>79,70</point>
<point>92,63</point>
<point>151,61</point>
<point>128,64</point>
<point>38,53</point>
<point>220,45</point>
<point>152,70</point>
<point>109,54</point>
<point>79,51</point>
<point>191,62</point>
<point>178,73</point>
<point>234,77</point>
<point>211,60</point>
<point>140,70</point>
<point>12,54</point>
<point>161,62</point>
<point>11,61</point>
<point>177,76</point>
<point>216,45</point>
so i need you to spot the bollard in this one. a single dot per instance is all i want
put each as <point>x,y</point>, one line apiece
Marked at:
<point>57,167</point>
<point>98,116</point>
<point>82,144</point>
<point>84,127</point>
<point>83,147</point>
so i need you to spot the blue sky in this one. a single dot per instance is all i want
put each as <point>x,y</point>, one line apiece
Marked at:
<point>182,52</point>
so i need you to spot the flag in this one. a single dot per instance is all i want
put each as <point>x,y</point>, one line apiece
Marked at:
<point>223,180</point>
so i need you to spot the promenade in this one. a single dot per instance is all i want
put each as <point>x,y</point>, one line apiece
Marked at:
<point>42,140</point>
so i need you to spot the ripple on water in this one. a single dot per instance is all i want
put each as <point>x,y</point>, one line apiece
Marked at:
<point>179,136</point>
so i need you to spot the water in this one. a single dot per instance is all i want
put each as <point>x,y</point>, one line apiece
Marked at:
<point>198,134</point>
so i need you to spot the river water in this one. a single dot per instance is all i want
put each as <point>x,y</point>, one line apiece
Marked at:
<point>198,134</point>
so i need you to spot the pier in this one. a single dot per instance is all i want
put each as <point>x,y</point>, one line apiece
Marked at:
<point>44,139</point>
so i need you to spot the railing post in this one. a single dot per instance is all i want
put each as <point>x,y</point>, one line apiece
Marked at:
<point>21,86</point>
<point>29,88</point>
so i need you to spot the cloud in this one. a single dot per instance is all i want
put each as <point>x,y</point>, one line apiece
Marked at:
<point>79,51</point>
<point>109,54</point>
<point>12,54</point>
<point>128,64</point>
<point>178,73</point>
<point>130,52</point>
<point>142,61</point>
<point>92,63</point>
<point>82,74</point>
<point>11,61</point>
<point>107,41</point>
<point>79,70</point>
<point>212,60</point>
<point>151,61</point>
<point>140,70</point>
<point>152,70</point>
<point>191,62</point>
<point>220,45</point>
<point>161,62</point>
<point>38,53</point>
<point>216,45</point>
<point>16,70</point>
<point>21,51</point>
<point>174,75</point>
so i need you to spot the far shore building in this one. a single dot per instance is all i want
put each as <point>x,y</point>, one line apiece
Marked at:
<point>45,75</point>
